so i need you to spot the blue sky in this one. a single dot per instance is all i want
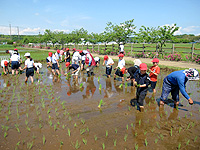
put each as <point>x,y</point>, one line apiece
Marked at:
<point>34,16</point>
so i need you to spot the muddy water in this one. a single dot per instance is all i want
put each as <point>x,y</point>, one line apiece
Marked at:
<point>56,113</point>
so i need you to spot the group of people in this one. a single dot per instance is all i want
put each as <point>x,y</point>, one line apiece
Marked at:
<point>83,60</point>
<point>15,64</point>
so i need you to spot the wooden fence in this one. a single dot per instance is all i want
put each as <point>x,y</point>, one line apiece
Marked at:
<point>133,48</point>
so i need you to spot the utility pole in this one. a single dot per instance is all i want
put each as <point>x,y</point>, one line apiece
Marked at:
<point>10,31</point>
<point>18,31</point>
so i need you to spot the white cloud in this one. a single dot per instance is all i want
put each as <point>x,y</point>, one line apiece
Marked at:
<point>178,32</point>
<point>49,21</point>
<point>35,1</point>
<point>22,31</point>
<point>191,29</point>
<point>37,14</point>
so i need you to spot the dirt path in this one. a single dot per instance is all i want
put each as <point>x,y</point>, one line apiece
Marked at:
<point>162,62</point>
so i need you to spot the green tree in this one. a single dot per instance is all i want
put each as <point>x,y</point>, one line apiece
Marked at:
<point>119,33</point>
<point>47,36</point>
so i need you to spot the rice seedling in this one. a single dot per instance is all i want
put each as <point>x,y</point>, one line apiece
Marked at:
<point>195,139</point>
<point>17,127</point>
<point>63,126</point>
<point>55,127</point>
<point>75,125</point>
<point>81,85</point>
<point>191,114</point>
<point>83,121</point>
<point>121,85</point>
<point>88,129</point>
<point>135,134</point>
<point>146,142</point>
<point>125,137</point>
<point>43,139</point>
<point>5,134</point>
<point>158,124</point>
<point>139,122</point>
<point>161,136</point>
<point>28,128</point>
<point>29,145</point>
<point>188,126</point>
<point>136,146</point>
<point>26,122</point>
<point>171,132</point>
<point>40,126</point>
<point>84,141</point>
<point>77,145</point>
<point>78,115</point>
<point>34,137</point>
<point>40,119</point>
<point>61,143</point>
<point>156,141</point>
<point>179,130</point>
<point>115,142</point>
<point>48,110</point>
<point>95,138</point>
<point>58,123</point>
<point>18,143</point>
<point>126,85</point>
<point>98,79</point>
<point>7,118</point>
<point>49,117</point>
<point>179,146</point>
<point>187,143</point>
<point>116,130</point>
<point>129,108</point>
<point>106,133</point>
<point>99,86</point>
<point>193,124</point>
<point>145,132</point>
<point>127,127</point>
<point>70,118</point>
<point>103,146</point>
<point>69,133</point>
<point>100,103</point>
<point>132,125</point>
<point>82,131</point>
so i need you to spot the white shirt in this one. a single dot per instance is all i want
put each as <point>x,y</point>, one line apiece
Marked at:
<point>2,63</point>
<point>109,61</point>
<point>38,65</point>
<point>89,57</point>
<point>121,63</point>
<point>49,58</point>
<point>96,58</point>
<point>15,57</point>
<point>76,55</point>
<point>54,58</point>
<point>121,48</point>
<point>29,63</point>
<point>57,55</point>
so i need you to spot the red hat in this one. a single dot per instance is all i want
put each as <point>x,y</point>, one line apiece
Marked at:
<point>50,54</point>
<point>58,51</point>
<point>105,57</point>
<point>120,55</point>
<point>80,51</point>
<point>123,70</point>
<point>67,49</point>
<point>143,66</point>
<point>68,93</point>
<point>15,49</point>
<point>5,63</point>
<point>155,60</point>
<point>67,64</point>
<point>74,49</point>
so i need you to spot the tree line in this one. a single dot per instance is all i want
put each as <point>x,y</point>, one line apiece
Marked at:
<point>123,32</point>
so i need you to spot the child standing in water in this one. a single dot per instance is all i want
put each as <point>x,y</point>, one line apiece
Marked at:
<point>142,81</point>
<point>76,69</point>
<point>121,64</point>
<point>154,71</point>
<point>29,66</point>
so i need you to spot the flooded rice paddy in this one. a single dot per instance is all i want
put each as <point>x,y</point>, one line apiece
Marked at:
<point>58,113</point>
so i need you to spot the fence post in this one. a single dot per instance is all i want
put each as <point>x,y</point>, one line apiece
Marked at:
<point>82,46</point>
<point>143,47</point>
<point>192,50</point>
<point>87,46</point>
<point>98,47</point>
<point>172,48</point>
<point>131,49</point>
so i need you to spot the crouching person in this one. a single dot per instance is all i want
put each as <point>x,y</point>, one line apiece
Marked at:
<point>29,66</point>
<point>176,81</point>
<point>4,65</point>
<point>89,60</point>
<point>142,81</point>
<point>76,69</point>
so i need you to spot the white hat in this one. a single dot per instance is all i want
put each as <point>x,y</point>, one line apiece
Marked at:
<point>191,74</point>
<point>137,62</point>
<point>27,54</point>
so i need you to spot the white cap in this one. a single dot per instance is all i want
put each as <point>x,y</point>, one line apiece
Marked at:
<point>191,74</point>
<point>27,54</point>
<point>137,62</point>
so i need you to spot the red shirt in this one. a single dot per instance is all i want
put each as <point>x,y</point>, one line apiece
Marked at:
<point>152,76</point>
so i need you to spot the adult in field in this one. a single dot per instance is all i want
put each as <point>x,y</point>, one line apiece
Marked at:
<point>14,60</point>
<point>175,82</point>
<point>4,65</point>
<point>29,66</point>
<point>67,55</point>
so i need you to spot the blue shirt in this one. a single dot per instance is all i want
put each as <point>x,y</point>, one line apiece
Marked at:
<point>74,66</point>
<point>179,79</point>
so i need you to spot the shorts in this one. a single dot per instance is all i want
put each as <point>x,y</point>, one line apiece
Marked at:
<point>14,65</point>
<point>167,88</point>
<point>108,70</point>
<point>119,73</point>
<point>153,84</point>
<point>68,60</point>
<point>76,73</point>
<point>55,66</point>
<point>29,72</point>
<point>83,62</point>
